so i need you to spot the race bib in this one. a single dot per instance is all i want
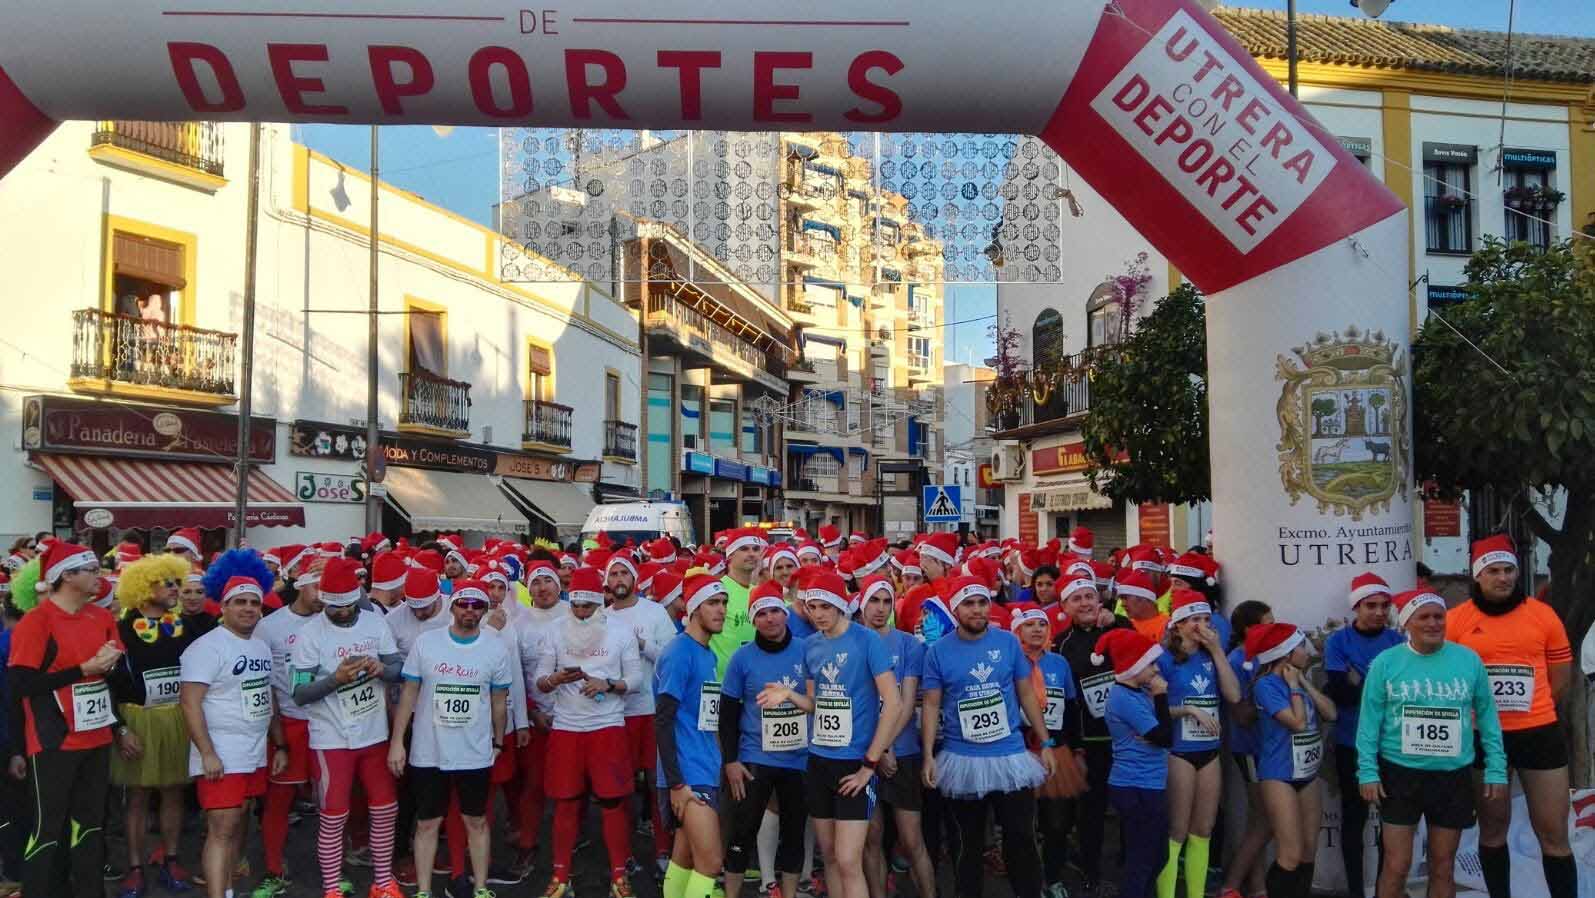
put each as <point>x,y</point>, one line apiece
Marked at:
<point>455,704</point>
<point>833,722</point>
<point>1306,753</point>
<point>783,729</point>
<point>983,719</point>
<point>1053,713</point>
<point>91,706</point>
<point>1095,689</point>
<point>161,686</point>
<point>1193,730</point>
<point>1431,732</point>
<point>256,698</point>
<point>359,698</point>
<point>709,708</point>
<point>1512,685</point>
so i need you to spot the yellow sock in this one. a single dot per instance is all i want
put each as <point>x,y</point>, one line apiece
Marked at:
<point>676,880</point>
<point>1196,854</point>
<point>1169,878</point>
<point>700,886</point>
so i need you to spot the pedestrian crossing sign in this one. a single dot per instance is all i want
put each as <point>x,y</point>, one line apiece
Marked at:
<point>943,503</point>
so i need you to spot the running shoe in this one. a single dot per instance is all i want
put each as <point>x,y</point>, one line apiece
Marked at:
<point>132,884</point>
<point>661,864</point>
<point>499,874</point>
<point>358,857</point>
<point>334,893</point>
<point>1056,890</point>
<point>524,862</point>
<point>389,889</point>
<point>483,893</point>
<point>1230,893</point>
<point>112,872</point>
<point>620,887</point>
<point>404,872</point>
<point>459,887</point>
<point>773,890</point>
<point>558,889</point>
<point>271,887</point>
<point>174,877</point>
<point>440,864</point>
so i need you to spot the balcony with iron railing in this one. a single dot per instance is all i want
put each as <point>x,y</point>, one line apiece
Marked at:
<point>1050,394</point>
<point>548,427</point>
<point>141,358</point>
<point>434,405</point>
<point>188,153</point>
<point>620,441</point>
<point>695,334</point>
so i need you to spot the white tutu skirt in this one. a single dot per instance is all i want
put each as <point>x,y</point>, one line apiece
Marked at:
<point>964,776</point>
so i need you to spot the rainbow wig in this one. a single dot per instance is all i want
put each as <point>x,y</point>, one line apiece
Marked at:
<point>136,583</point>
<point>237,563</point>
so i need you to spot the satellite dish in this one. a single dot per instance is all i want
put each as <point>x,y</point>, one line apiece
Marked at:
<point>1373,9</point>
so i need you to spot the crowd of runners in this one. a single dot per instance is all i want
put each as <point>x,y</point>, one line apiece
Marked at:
<point>833,716</point>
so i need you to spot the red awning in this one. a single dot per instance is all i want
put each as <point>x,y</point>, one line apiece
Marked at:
<point>143,494</point>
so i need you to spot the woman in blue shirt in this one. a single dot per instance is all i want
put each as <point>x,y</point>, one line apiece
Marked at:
<point>1137,716</point>
<point>1198,675</point>
<point>1291,748</point>
<point>1240,734</point>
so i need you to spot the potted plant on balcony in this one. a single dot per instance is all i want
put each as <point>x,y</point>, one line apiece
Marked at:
<point>1005,393</point>
<point>1451,202</point>
<point>1546,198</point>
<point>1519,197</point>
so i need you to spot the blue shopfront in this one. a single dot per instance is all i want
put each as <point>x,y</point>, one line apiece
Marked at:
<point>723,493</point>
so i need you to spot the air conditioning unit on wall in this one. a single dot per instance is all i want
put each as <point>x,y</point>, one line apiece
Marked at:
<point>1007,462</point>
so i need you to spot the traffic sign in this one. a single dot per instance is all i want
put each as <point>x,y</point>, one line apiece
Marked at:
<point>942,503</point>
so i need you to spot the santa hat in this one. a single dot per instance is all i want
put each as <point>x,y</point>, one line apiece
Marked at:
<point>830,535</point>
<point>870,557</point>
<point>765,596</point>
<point>667,587</point>
<point>1078,584</point>
<point>388,571</point>
<point>1408,603</point>
<point>941,546</point>
<point>646,573</point>
<point>958,589</point>
<point>1129,651</point>
<point>778,551</point>
<point>825,586</point>
<point>105,593</point>
<point>471,589</point>
<point>455,555</point>
<point>239,586</point>
<point>184,540</point>
<point>340,582</point>
<point>450,543</point>
<point>743,538</point>
<point>1081,542</point>
<point>809,548</point>
<point>541,568</point>
<point>875,584</point>
<point>494,573</point>
<point>587,586</point>
<point>296,556</point>
<point>1186,603</point>
<point>375,542</point>
<point>1135,584</point>
<point>1496,549</point>
<point>700,589</point>
<point>621,559</point>
<point>1195,568</point>
<point>713,562</point>
<point>64,557</point>
<point>1032,560</point>
<point>569,559</point>
<point>857,537</point>
<point>985,570</point>
<point>1267,643</point>
<point>661,550</point>
<point>420,587</point>
<point>907,562</point>
<point>194,575</point>
<point>127,553</point>
<point>1367,584</point>
<point>993,550</point>
<point>1146,558</point>
<point>1019,615</point>
<point>331,550</point>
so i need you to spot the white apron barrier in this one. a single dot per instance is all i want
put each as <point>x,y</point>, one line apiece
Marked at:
<point>1301,250</point>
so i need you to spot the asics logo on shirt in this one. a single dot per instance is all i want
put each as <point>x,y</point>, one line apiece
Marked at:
<point>251,664</point>
<point>981,671</point>
<point>1454,690</point>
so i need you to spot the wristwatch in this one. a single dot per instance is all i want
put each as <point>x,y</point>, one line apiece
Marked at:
<point>868,762</point>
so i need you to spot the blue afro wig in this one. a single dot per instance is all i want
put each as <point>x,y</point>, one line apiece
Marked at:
<point>237,563</point>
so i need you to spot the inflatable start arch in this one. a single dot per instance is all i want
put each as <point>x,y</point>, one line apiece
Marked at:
<point>1302,251</point>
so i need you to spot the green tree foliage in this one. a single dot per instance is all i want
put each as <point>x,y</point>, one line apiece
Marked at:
<point>1146,435</point>
<point>1529,429</point>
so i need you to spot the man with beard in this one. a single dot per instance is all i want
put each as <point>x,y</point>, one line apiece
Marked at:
<point>226,699</point>
<point>587,665</point>
<point>456,685</point>
<point>976,682</point>
<point>417,613</point>
<point>338,662</point>
<point>654,630</point>
<point>540,620</point>
<point>1530,663</point>
<point>743,550</point>
<point>688,722</point>
<point>388,571</point>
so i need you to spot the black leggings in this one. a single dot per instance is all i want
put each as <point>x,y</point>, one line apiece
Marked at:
<point>68,791</point>
<point>1052,814</point>
<point>1016,815</point>
<point>1353,817</point>
<point>16,819</point>
<point>939,828</point>
<point>748,814</point>
<point>1089,811</point>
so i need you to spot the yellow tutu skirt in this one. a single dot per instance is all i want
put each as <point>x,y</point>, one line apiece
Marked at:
<point>163,735</point>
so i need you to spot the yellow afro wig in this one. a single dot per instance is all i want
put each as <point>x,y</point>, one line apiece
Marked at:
<point>136,583</point>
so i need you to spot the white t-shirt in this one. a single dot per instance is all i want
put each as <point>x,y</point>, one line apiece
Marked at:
<point>280,630</point>
<point>354,715</point>
<point>533,626</point>
<point>600,650</point>
<point>654,629</point>
<point>453,727</point>
<point>407,628</point>
<point>511,637</point>
<point>237,705</point>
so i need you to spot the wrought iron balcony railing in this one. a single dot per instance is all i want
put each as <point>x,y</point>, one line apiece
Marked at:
<point>548,423</point>
<point>620,440</point>
<point>152,353</point>
<point>428,400</point>
<point>196,145</point>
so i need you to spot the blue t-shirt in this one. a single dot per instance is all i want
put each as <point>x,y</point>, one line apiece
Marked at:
<point>1192,683</point>
<point>686,672</point>
<point>1242,739</point>
<point>1284,755</point>
<point>774,737</point>
<point>1137,763</point>
<point>908,660</point>
<point>1059,680</point>
<point>847,706</point>
<point>980,714</point>
<point>1346,650</point>
<point>800,627</point>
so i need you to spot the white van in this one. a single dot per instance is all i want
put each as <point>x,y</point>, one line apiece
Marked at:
<point>640,521</point>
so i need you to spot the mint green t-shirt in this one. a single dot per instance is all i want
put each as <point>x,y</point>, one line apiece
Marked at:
<point>1420,711</point>
<point>738,630</point>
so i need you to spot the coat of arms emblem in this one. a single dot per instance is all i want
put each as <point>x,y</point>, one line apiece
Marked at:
<point>1342,421</point>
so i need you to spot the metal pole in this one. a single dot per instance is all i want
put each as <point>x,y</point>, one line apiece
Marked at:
<point>247,360</point>
<point>1290,42</point>
<point>373,438</point>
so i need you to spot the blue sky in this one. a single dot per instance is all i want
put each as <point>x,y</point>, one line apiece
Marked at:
<point>459,171</point>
